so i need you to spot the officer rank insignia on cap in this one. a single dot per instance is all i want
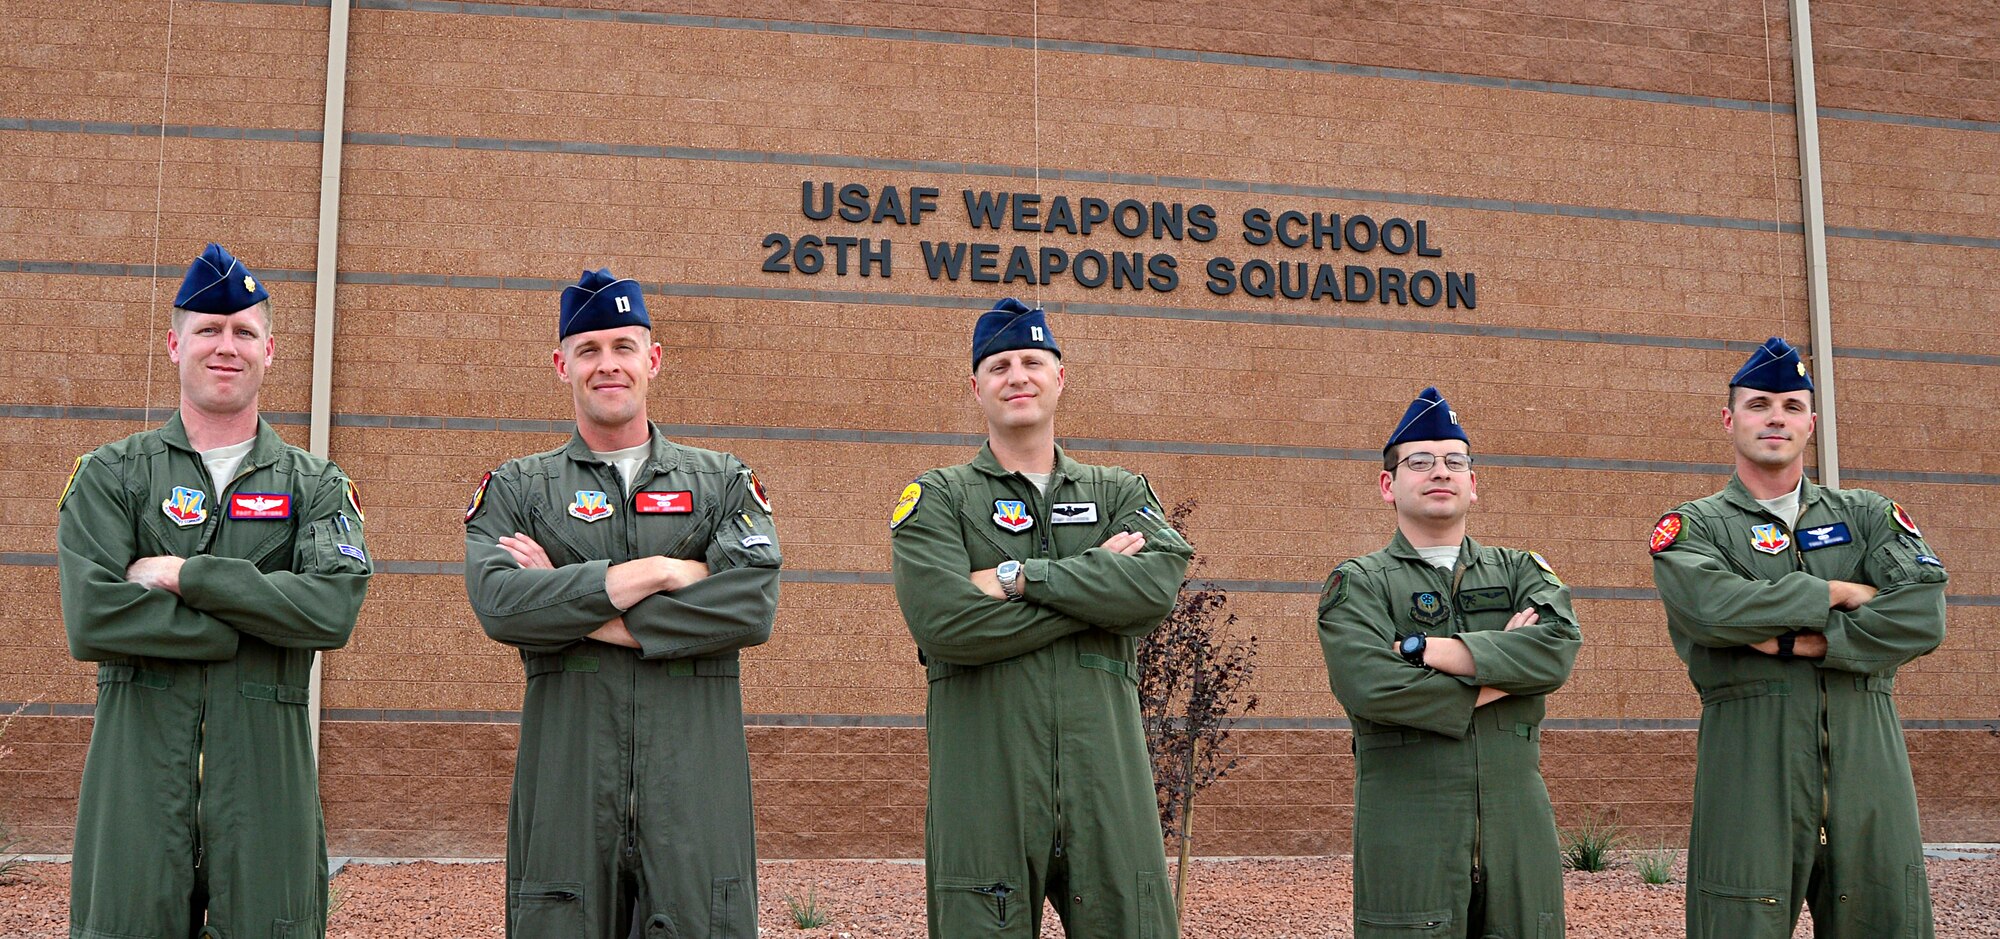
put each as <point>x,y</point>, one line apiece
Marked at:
<point>1903,519</point>
<point>478,498</point>
<point>1666,532</point>
<point>1428,608</point>
<point>218,283</point>
<point>1775,367</point>
<point>265,505</point>
<point>680,502</point>
<point>185,507</point>
<point>591,505</point>
<point>905,504</point>
<point>1769,539</point>
<point>1012,514</point>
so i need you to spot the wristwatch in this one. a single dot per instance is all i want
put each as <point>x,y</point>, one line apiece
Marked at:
<point>1785,642</point>
<point>1009,576</point>
<point>1411,648</point>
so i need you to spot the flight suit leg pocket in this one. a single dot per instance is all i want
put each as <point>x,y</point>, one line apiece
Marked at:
<point>293,929</point>
<point>1916,901</point>
<point>976,907</point>
<point>1383,924</point>
<point>1155,906</point>
<point>546,910</point>
<point>726,903</point>
<point>1724,911</point>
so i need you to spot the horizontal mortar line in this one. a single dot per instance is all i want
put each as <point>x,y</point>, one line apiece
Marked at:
<point>941,439</point>
<point>884,578</point>
<point>419,716</point>
<point>1129,50</point>
<point>1342,193</point>
<point>1082,308</point>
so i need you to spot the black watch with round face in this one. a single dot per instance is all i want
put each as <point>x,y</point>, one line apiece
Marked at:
<point>1411,648</point>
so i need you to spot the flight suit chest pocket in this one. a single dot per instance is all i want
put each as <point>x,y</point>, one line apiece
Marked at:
<point>1484,607</point>
<point>1004,527</point>
<point>671,520</point>
<point>553,532</point>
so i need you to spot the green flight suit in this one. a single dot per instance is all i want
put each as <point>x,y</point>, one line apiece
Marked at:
<point>200,798</point>
<point>1453,834</point>
<point>1802,786</point>
<point>632,784</point>
<point>1040,784</point>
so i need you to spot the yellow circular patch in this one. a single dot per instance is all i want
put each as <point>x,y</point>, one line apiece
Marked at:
<point>906,504</point>
<point>1543,563</point>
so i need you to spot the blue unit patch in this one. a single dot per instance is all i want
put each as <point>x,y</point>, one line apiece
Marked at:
<point>1824,536</point>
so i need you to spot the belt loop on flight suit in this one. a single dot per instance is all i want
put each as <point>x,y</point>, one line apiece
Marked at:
<point>704,668</point>
<point>1116,667</point>
<point>118,674</point>
<point>542,663</point>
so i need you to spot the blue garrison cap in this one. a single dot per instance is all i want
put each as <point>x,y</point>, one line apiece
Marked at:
<point>1776,367</point>
<point>218,283</point>
<point>1011,325</point>
<point>1430,417</point>
<point>600,301</point>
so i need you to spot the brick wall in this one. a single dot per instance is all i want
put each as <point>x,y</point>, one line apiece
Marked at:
<point>1620,176</point>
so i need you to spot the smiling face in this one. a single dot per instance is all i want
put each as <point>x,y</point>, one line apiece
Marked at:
<point>1769,428</point>
<point>1436,496</point>
<point>608,372</point>
<point>1018,389</point>
<point>221,358</point>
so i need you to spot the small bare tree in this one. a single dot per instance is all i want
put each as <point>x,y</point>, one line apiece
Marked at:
<point>1192,681</point>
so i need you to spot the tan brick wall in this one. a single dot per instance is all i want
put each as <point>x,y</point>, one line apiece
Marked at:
<point>1601,219</point>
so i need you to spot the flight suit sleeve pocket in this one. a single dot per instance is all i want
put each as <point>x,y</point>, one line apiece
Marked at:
<point>978,907</point>
<point>332,550</point>
<point>744,539</point>
<point>1381,924</point>
<point>540,908</point>
<point>1905,561</point>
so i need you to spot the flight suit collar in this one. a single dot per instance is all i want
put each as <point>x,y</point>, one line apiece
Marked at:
<point>263,452</point>
<point>986,462</point>
<point>1738,495</point>
<point>667,455</point>
<point>1401,548</point>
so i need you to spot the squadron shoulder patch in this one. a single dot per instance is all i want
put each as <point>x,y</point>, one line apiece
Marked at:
<point>70,483</point>
<point>757,493</point>
<point>1903,519</point>
<point>1335,590</point>
<point>905,504</point>
<point>354,500</point>
<point>1666,532</point>
<point>1543,563</point>
<point>478,497</point>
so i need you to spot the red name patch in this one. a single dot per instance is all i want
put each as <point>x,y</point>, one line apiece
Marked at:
<point>663,503</point>
<point>260,505</point>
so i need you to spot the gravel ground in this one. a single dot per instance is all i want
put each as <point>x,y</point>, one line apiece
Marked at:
<point>1227,899</point>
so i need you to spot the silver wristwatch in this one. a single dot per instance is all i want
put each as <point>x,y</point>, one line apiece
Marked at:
<point>1009,576</point>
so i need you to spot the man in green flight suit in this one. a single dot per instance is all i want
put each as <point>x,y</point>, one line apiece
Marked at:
<point>629,570</point>
<point>1441,650</point>
<point>202,566</point>
<point>1025,577</point>
<point>1793,605</point>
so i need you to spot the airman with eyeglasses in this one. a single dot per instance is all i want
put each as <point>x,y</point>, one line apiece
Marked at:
<point>1441,650</point>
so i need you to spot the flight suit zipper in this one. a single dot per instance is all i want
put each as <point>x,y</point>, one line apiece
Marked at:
<point>628,529</point>
<point>1825,738</point>
<point>209,533</point>
<point>1458,626</point>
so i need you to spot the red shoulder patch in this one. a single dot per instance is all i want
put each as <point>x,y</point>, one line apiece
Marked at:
<point>1666,532</point>
<point>1903,519</point>
<point>478,498</point>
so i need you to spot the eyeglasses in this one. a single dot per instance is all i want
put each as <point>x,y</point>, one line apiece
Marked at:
<point>1421,462</point>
